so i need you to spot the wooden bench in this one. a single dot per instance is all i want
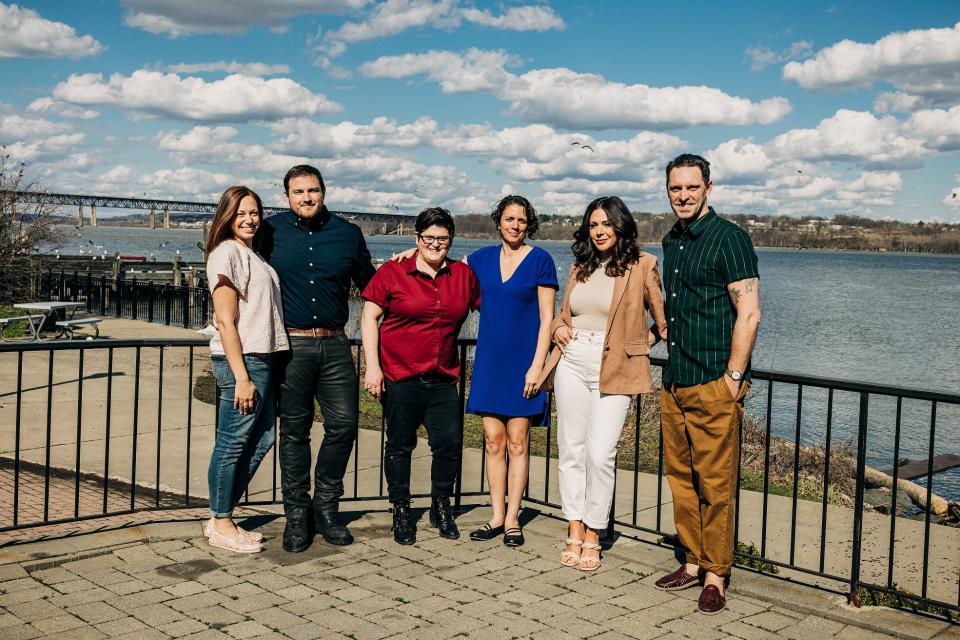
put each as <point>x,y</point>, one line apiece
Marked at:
<point>68,326</point>
<point>32,321</point>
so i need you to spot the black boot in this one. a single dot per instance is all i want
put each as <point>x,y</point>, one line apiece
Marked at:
<point>296,534</point>
<point>330,527</point>
<point>404,532</point>
<point>442,518</point>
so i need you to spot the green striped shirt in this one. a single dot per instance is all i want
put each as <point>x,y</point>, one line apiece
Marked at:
<point>699,261</point>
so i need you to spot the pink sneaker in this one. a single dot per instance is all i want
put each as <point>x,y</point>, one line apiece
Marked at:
<point>256,536</point>
<point>240,544</point>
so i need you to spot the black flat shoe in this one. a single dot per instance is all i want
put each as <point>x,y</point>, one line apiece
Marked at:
<point>513,537</point>
<point>486,532</point>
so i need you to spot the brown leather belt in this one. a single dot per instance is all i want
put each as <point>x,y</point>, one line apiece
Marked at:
<point>316,332</point>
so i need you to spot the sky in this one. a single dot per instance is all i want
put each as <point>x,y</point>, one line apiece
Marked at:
<point>802,108</point>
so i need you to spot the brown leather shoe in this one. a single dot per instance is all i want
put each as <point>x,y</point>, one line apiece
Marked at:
<point>710,601</point>
<point>677,580</point>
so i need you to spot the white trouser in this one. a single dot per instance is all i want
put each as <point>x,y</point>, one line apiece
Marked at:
<point>589,426</point>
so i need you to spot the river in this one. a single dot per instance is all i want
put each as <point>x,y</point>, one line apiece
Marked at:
<point>887,318</point>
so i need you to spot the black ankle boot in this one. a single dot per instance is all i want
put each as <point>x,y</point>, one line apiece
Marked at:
<point>332,530</point>
<point>296,533</point>
<point>404,532</point>
<point>442,518</point>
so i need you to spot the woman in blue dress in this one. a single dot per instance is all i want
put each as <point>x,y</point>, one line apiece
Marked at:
<point>518,286</point>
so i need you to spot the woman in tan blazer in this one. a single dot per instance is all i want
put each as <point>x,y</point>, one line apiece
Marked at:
<point>602,359</point>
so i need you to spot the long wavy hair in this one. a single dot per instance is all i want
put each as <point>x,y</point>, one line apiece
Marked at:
<point>221,227</point>
<point>624,252</point>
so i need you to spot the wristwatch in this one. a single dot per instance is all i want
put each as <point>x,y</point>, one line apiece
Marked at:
<point>734,374</point>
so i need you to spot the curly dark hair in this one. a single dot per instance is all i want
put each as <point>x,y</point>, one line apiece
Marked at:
<point>624,252</point>
<point>533,225</point>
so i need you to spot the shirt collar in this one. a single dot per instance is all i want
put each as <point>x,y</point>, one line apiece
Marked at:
<point>410,266</point>
<point>313,224</point>
<point>698,225</point>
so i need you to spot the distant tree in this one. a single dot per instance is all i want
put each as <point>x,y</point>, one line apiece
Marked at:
<point>24,226</point>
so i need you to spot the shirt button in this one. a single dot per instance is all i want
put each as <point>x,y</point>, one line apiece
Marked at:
<point>311,282</point>
<point>673,344</point>
<point>681,246</point>
<point>313,299</point>
<point>673,295</point>
<point>314,317</point>
<point>311,264</point>
<point>672,319</point>
<point>311,248</point>
<point>676,270</point>
<point>310,232</point>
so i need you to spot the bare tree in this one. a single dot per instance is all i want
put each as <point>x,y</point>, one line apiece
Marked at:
<point>24,227</point>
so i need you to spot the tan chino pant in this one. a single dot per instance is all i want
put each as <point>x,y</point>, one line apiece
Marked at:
<point>701,450</point>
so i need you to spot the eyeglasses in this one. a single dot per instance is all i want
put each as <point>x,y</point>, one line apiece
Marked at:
<point>441,240</point>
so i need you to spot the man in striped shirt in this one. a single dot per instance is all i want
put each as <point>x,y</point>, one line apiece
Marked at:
<point>712,289</point>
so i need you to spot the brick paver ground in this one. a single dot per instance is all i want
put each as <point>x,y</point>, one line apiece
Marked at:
<point>165,581</point>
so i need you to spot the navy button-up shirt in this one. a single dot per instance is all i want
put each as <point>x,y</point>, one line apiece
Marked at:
<point>316,259</point>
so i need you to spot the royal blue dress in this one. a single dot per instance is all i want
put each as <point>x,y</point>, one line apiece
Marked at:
<point>507,337</point>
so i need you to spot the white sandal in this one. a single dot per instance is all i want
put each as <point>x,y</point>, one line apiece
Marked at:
<point>571,558</point>
<point>587,564</point>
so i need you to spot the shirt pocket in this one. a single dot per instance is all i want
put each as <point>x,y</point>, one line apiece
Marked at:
<point>636,348</point>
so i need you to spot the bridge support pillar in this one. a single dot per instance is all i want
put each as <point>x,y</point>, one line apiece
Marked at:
<point>80,216</point>
<point>93,215</point>
<point>166,218</point>
<point>153,218</point>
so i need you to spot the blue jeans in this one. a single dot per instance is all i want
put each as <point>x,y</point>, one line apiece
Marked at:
<point>243,440</point>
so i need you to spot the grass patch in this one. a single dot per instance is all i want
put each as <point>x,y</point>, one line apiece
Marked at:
<point>750,557</point>
<point>13,329</point>
<point>901,599</point>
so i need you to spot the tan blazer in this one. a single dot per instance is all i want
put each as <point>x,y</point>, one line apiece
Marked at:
<point>625,363</point>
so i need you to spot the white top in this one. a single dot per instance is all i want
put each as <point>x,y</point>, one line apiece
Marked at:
<point>260,315</point>
<point>590,301</point>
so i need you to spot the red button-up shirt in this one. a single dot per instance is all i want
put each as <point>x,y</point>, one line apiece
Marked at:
<point>422,316</point>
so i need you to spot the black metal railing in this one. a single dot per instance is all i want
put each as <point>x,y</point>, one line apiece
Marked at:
<point>101,428</point>
<point>178,305</point>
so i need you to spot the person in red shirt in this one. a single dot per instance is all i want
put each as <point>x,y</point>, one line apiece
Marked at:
<point>413,364</point>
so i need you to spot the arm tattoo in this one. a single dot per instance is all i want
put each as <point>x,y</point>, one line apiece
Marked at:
<point>751,283</point>
<point>735,296</point>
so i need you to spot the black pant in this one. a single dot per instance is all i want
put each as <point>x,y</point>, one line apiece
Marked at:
<point>321,369</point>
<point>406,405</point>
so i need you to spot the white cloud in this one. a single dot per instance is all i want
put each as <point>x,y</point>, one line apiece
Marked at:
<point>896,102</point>
<point>528,18</point>
<point>185,182</point>
<point>938,129</point>
<point>235,98</point>
<point>952,199</point>
<point>176,18</point>
<point>325,140</point>
<point>567,98</point>
<point>739,161</point>
<point>392,17</point>
<point>922,62</point>
<point>242,68</point>
<point>851,136</point>
<point>15,127</point>
<point>761,57</point>
<point>49,105</point>
<point>24,34</point>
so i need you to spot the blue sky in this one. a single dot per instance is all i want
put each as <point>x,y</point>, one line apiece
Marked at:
<point>802,108</point>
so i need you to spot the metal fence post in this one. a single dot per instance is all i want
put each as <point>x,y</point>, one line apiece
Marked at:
<point>854,596</point>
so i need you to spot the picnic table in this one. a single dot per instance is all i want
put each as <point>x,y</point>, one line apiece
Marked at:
<point>37,314</point>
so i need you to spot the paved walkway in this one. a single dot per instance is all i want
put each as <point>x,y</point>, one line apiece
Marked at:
<point>164,581</point>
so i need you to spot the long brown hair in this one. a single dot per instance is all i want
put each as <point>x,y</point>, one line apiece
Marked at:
<point>220,228</point>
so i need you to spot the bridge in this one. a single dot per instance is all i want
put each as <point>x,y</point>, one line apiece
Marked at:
<point>170,206</point>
